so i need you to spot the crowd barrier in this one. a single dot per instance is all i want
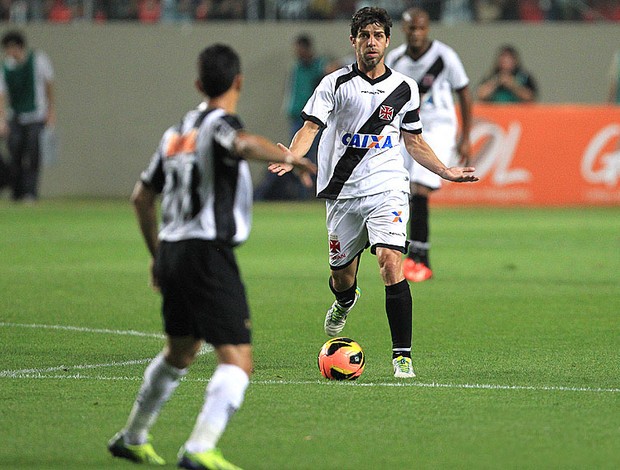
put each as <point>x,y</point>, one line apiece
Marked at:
<point>542,155</point>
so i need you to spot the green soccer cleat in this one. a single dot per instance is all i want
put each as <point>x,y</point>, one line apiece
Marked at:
<point>403,367</point>
<point>141,453</point>
<point>208,460</point>
<point>336,316</point>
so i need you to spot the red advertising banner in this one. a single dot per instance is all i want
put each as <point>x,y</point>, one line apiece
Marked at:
<point>542,155</point>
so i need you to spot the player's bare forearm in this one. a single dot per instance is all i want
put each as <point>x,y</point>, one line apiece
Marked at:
<point>303,138</point>
<point>143,199</point>
<point>422,152</point>
<point>425,156</point>
<point>256,147</point>
<point>300,145</point>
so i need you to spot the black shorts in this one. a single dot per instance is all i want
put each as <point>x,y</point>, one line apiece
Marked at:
<point>203,295</point>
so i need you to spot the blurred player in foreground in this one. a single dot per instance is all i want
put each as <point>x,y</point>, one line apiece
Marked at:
<point>200,169</point>
<point>438,72</point>
<point>364,110</point>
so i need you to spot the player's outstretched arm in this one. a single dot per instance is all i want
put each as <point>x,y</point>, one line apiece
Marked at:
<point>425,156</point>
<point>256,147</point>
<point>300,145</point>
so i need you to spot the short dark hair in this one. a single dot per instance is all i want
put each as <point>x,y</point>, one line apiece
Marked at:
<point>13,38</point>
<point>218,65</point>
<point>370,15</point>
<point>304,40</point>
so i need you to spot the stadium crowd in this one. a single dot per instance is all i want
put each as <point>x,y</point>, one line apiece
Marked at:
<point>447,11</point>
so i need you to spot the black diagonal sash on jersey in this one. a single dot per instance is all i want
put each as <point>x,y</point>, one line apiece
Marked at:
<point>433,71</point>
<point>353,156</point>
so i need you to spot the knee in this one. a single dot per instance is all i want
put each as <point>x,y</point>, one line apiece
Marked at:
<point>390,267</point>
<point>182,356</point>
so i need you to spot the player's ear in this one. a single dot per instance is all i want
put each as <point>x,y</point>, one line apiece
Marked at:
<point>238,82</point>
<point>198,86</point>
<point>352,39</point>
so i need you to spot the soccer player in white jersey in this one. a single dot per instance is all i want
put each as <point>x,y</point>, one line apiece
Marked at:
<point>200,169</point>
<point>365,109</point>
<point>439,73</point>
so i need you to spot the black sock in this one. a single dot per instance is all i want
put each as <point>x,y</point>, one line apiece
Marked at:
<point>418,229</point>
<point>344,298</point>
<point>399,309</point>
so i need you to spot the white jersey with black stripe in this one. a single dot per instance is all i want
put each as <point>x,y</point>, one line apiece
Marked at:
<point>359,151</point>
<point>438,72</point>
<point>206,188</point>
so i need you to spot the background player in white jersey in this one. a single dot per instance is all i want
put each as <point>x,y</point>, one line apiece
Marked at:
<point>364,110</point>
<point>200,169</point>
<point>439,73</point>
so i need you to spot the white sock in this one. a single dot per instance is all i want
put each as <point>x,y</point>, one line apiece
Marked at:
<point>223,397</point>
<point>160,380</point>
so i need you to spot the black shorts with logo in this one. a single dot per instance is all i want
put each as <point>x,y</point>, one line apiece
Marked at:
<point>203,295</point>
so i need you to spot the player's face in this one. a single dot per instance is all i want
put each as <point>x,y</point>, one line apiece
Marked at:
<point>370,44</point>
<point>416,32</point>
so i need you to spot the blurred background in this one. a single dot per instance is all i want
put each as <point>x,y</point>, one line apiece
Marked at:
<point>124,70</point>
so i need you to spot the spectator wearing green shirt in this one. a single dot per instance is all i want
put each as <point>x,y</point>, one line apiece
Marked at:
<point>508,82</point>
<point>26,107</point>
<point>304,77</point>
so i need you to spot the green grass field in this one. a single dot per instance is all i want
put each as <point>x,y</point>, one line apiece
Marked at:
<point>516,344</point>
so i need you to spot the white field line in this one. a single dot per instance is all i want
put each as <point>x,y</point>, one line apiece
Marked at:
<point>38,374</point>
<point>539,388</point>
<point>44,373</point>
<point>32,373</point>
<point>83,329</point>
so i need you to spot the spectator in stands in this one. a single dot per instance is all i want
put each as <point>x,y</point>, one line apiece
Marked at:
<point>219,10</point>
<point>508,82</point>
<point>305,75</point>
<point>5,10</point>
<point>123,10</point>
<point>149,11</point>
<point>60,12</point>
<point>457,11</point>
<point>614,79</point>
<point>27,93</point>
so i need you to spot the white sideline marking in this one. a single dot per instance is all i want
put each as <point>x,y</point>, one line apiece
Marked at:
<point>84,329</point>
<point>23,373</point>
<point>27,374</point>
<point>206,348</point>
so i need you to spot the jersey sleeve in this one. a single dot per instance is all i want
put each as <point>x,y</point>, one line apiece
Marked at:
<point>411,120</point>
<point>321,103</point>
<point>457,77</point>
<point>225,131</point>
<point>153,177</point>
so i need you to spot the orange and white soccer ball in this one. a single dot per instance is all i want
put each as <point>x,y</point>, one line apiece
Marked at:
<point>341,359</point>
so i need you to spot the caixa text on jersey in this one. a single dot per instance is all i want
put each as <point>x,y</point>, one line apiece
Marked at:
<point>367,141</point>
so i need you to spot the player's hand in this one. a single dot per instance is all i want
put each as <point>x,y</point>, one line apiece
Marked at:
<point>281,168</point>
<point>460,174</point>
<point>306,170</point>
<point>305,166</point>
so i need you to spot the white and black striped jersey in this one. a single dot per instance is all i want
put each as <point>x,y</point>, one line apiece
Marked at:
<point>206,188</point>
<point>359,151</point>
<point>438,73</point>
